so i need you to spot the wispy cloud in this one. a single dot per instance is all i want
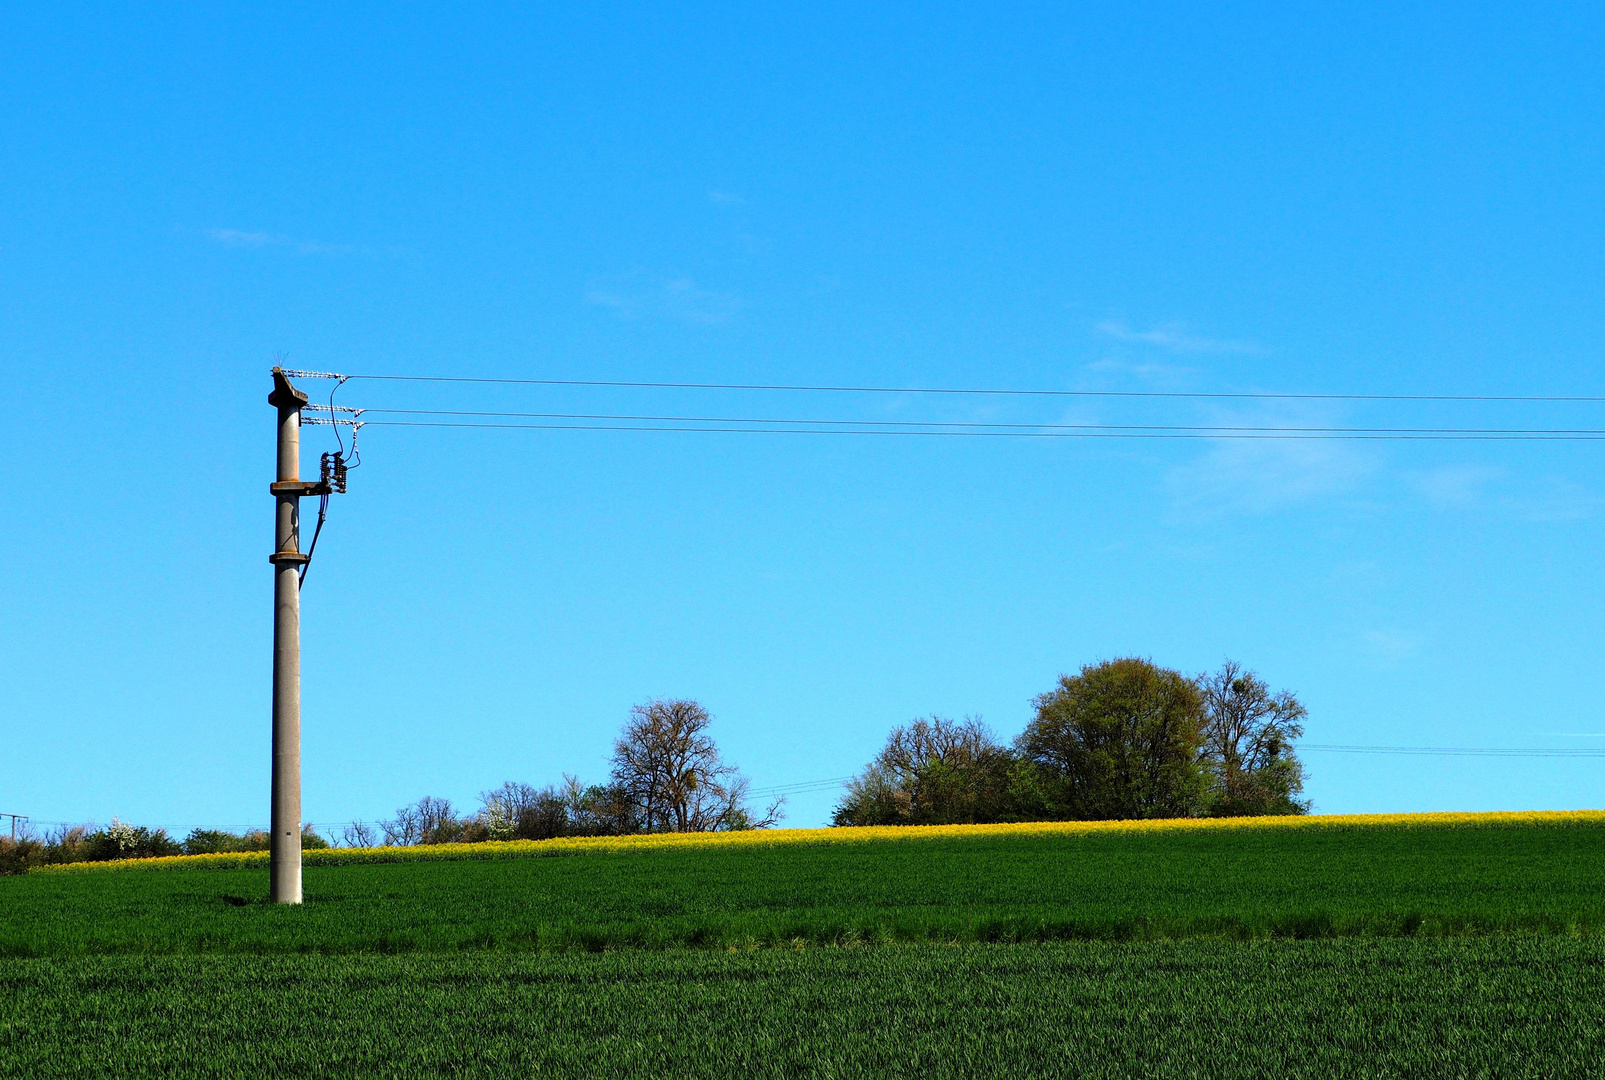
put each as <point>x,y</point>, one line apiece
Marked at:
<point>1269,474</point>
<point>1390,646</point>
<point>1497,490</point>
<point>1174,338</point>
<point>1151,371</point>
<point>1454,487</point>
<point>725,198</point>
<point>635,296</point>
<point>242,238</point>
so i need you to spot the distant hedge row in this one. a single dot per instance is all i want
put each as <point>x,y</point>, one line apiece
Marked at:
<point>121,842</point>
<point>603,845</point>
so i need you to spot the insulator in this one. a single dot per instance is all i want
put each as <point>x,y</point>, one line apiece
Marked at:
<point>334,471</point>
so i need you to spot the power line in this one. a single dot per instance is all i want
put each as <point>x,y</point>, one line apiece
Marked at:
<point>801,787</point>
<point>1457,751</point>
<point>1005,428</point>
<point>979,391</point>
<point>870,427</point>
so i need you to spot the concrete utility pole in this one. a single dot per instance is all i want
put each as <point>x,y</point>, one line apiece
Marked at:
<point>287,559</point>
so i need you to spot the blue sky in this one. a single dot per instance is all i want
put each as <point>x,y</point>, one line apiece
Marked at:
<point>1340,199</point>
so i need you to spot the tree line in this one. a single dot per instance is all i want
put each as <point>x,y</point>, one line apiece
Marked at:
<point>1121,739</point>
<point>666,775</point>
<point>120,840</point>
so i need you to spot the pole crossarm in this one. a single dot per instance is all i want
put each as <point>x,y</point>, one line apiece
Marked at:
<point>285,396</point>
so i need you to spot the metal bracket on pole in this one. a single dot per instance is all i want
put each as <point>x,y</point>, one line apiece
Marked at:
<point>300,488</point>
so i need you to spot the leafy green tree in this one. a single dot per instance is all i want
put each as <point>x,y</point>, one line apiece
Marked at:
<point>940,772</point>
<point>1120,740</point>
<point>1248,745</point>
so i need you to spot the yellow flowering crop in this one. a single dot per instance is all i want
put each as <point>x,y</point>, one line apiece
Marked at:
<point>888,833</point>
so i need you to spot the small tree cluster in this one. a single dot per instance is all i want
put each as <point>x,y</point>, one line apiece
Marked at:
<point>1123,739</point>
<point>667,776</point>
<point>940,772</point>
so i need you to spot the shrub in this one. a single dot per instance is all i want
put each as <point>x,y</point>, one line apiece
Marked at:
<point>20,853</point>
<point>211,841</point>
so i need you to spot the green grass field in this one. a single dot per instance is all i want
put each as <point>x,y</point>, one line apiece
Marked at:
<point>1323,950</point>
<point>1408,1008</point>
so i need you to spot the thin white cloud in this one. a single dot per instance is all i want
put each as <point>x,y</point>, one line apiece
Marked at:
<point>1152,371</point>
<point>1455,487</point>
<point>725,198</point>
<point>313,247</point>
<point>1556,498</point>
<point>242,238</point>
<point>1498,490</point>
<point>1174,338</point>
<point>1390,646</point>
<point>1268,474</point>
<point>634,296</point>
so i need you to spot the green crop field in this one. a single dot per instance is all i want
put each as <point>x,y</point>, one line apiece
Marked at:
<point>1400,947</point>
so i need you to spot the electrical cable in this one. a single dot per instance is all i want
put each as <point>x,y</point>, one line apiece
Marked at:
<point>323,512</point>
<point>1458,751</point>
<point>1005,427</point>
<point>803,388</point>
<point>871,428</point>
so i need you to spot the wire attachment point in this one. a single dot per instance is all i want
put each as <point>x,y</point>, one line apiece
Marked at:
<point>296,373</point>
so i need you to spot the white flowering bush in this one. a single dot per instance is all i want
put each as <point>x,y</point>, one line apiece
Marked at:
<point>499,823</point>
<point>124,835</point>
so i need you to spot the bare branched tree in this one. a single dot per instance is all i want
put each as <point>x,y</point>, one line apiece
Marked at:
<point>437,821</point>
<point>1248,744</point>
<point>669,769</point>
<point>404,829</point>
<point>359,834</point>
<point>428,821</point>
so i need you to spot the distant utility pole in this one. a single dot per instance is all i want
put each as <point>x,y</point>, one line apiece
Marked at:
<point>287,559</point>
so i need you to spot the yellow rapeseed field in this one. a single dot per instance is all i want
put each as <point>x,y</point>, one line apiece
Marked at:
<point>900,833</point>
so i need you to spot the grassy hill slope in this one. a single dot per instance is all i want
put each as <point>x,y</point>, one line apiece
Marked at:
<point>1448,945</point>
<point>1383,877</point>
